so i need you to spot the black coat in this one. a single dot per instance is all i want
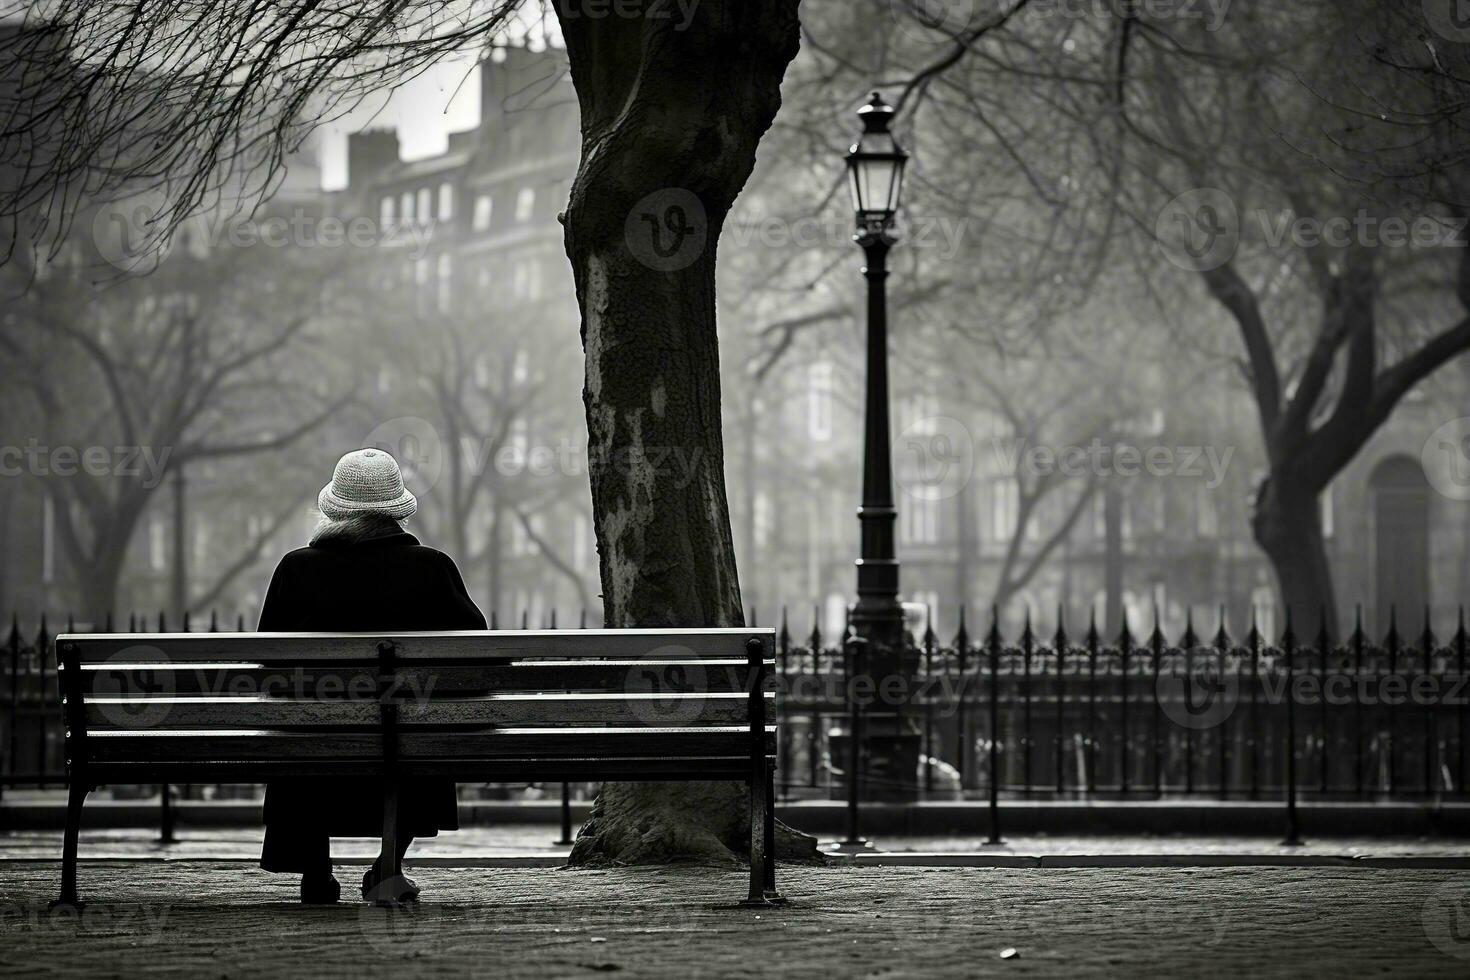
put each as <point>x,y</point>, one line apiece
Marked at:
<point>383,583</point>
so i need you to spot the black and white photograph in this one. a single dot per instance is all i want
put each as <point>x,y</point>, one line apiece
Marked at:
<point>734,488</point>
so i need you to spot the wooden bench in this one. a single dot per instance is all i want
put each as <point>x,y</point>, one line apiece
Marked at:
<point>581,705</point>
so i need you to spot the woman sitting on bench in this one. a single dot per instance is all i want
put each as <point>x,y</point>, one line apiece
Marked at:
<point>361,572</point>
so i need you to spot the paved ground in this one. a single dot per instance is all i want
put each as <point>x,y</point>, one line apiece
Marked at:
<point>538,842</point>
<point>208,919</point>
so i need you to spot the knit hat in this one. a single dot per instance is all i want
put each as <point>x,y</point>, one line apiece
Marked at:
<point>366,481</point>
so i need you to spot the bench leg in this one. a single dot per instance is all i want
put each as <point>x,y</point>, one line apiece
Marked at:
<point>759,802</point>
<point>76,795</point>
<point>388,882</point>
<point>769,833</point>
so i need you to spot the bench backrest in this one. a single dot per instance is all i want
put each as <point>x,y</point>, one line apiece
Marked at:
<point>574,704</point>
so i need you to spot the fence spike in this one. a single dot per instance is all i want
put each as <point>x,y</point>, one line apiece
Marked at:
<point>494,619</point>
<point>14,630</point>
<point>1189,640</point>
<point>1222,635</point>
<point>785,635</point>
<point>582,619</point>
<point>1124,636</point>
<point>108,628</point>
<point>1324,639</point>
<point>1092,634</point>
<point>1059,642</point>
<point>994,636</point>
<point>42,635</point>
<point>929,625</point>
<point>1426,639</point>
<point>1288,636</point>
<point>186,622</point>
<point>553,617</point>
<point>214,620</point>
<point>1460,628</point>
<point>815,640</point>
<point>1392,639</point>
<point>162,623</point>
<point>1358,635</point>
<point>962,636</point>
<point>755,619</point>
<point>71,626</point>
<point>1027,637</point>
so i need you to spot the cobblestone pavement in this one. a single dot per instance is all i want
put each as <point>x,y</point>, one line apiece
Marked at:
<point>208,919</point>
<point>539,841</point>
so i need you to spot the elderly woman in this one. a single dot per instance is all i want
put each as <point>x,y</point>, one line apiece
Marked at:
<point>361,572</point>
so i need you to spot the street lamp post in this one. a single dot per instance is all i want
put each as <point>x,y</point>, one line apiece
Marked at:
<point>875,165</point>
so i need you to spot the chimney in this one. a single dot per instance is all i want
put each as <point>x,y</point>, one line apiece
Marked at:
<point>513,79</point>
<point>369,153</point>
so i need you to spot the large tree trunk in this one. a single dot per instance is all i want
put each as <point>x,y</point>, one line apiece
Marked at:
<point>671,116</point>
<point>1288,526</point>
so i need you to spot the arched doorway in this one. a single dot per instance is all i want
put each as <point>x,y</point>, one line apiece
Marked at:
<point>1399,495</point>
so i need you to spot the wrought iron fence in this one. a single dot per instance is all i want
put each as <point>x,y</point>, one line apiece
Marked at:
<point>1136,717</point>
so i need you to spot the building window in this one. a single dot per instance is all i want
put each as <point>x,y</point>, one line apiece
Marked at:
<point>201,543</point>
<point>920,517</point>
<point>385,379</point>
<point>819,401</point>
<point>405,208</point>
<point>1329,519</point>
<point>1207,518</point>
<point>445,284</point>
<point>48,540</point>
<point>157,552</point>
<point>446,201</point>
<point>426,206</point>
<point>521,280</point>
<point>385,213</point>
<point>525,202</point>
<point>483,205</point>
<point>520,369</point>
<point>581,542</point>
<point>1004,507</point>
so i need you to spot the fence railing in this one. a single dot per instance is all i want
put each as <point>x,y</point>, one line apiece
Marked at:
<point>1134,717</point>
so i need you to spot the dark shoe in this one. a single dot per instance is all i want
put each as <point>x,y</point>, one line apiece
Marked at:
<point>316,890</point>
<point>394,891</point>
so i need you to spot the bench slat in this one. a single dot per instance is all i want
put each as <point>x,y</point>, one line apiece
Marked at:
<point>439,646</point>
<point>715,675</point>
<point>139,712</point>
<point>224,745</point>
<point>734,768</point>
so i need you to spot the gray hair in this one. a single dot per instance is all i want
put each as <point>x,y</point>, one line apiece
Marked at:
<point>354,527</point>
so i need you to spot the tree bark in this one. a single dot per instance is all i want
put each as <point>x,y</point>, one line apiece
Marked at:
<point>671,116</point>
<point>1287,524</point>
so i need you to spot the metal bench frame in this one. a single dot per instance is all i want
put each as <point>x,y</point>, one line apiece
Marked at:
<point>84,774</point>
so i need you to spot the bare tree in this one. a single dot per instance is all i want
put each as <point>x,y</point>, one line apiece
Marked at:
<point>150,375</point>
